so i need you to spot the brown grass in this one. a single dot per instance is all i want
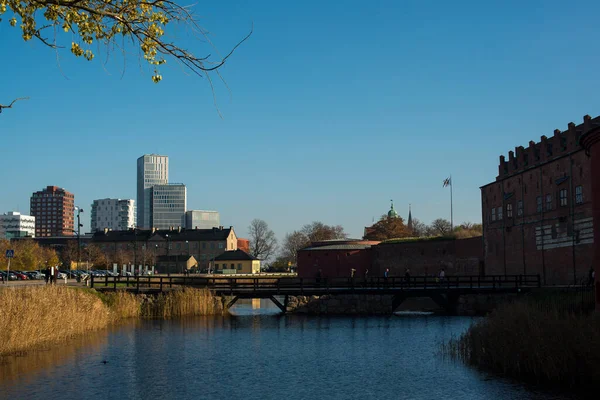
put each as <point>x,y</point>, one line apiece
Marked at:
<point>180,303</point>
<point>533,344</point>
<point>33,316</point>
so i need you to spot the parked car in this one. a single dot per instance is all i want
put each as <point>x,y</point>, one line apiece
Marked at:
<point>22,276</point>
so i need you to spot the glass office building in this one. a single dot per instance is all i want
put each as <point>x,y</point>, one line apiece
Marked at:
<point>167,206</point>
<point>152,169</point>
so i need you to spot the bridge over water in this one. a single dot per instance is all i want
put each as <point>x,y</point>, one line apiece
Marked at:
<point>444,292</point>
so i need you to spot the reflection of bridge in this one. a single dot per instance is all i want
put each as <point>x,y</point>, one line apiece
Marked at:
<point>444,292</point>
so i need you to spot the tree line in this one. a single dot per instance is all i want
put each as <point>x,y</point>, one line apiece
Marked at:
<point>264,244</point>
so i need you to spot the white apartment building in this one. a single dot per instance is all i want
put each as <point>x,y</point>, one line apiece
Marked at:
<point>152,169</point>
<point>115,214</point>
<point>14,224</point>
<point>167,206</point>
<point>202,219</point>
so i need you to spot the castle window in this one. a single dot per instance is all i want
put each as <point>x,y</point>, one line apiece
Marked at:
<point>539,204</point>
<point>499,213</point>
<point>520,208</point>
<point>579,195</point>
<point>548,202</point>
<point>563,197</point>
<point>493,214</point>
<point>509,211</point>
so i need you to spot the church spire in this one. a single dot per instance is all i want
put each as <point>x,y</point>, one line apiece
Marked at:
<point>409,218</point>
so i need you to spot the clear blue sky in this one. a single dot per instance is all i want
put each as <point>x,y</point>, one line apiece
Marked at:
<point>335,108</point>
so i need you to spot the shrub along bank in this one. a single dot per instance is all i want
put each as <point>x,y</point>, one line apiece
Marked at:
<point>34,316</point>
<point>534,344</point>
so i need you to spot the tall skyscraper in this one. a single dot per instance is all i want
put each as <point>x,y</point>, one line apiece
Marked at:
<point>152,169</point>
<point>202,219</point>
<point>53,209</point>
<point>168,206</point>
<point>115,214</point>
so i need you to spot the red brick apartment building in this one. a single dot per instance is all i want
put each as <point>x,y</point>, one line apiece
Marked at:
<point>53,209</point>
<point>537,214</point>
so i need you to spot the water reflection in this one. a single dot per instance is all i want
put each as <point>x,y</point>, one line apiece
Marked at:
<point>256,355</point>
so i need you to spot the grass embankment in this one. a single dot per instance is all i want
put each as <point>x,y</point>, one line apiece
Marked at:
<point>32,316</point>
<point>534,344</point>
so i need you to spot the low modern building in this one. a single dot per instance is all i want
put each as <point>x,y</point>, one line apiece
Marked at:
<point>116,214</point>
<point>53,209</point>
<point>236,262</point>
<point>167,206</point>
<point>15,225</point>
<point>537,214</point>
<point>201,219</point>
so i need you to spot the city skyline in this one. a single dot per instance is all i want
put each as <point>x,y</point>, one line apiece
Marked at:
<point>433,94</point>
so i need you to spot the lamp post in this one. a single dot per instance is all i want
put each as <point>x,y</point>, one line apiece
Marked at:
<point>155,249</point>
<point>188,251</point>
<point>79,210</point>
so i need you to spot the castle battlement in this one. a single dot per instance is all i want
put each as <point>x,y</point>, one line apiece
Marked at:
<point>547,149</point>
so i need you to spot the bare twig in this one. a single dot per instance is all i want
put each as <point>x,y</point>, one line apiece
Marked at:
<point>2,106</point>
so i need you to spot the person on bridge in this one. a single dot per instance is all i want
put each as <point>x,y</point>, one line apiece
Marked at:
<point>442,275</point>
<point>591,276</point>
<point>407,276</point>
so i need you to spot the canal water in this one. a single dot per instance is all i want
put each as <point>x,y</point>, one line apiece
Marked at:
<point>257,354</point>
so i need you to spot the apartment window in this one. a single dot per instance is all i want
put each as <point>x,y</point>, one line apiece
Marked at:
<point>499,213</point>
<point>578,194</point>
<point>563,197</point>
<point>178,246</point>
<point>520,208</point>
<point>220,245</point>
<point>548,202</point>
<point>509,211</point>
<point>212,245</point>
<point>239,267</point>
<point>493,214</point>
<point>216,266</point>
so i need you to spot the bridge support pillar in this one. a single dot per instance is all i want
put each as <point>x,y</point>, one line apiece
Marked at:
<point>397,300</point>
<point>282,307</point>
<point>447,301</point>
<point>228,304</point>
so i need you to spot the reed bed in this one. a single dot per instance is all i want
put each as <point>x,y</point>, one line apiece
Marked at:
<point>179,303</point>
<point>34,315</point>
<point>31,317</point>
<point>534,344</point>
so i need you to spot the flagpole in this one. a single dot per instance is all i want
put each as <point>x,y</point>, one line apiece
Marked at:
<point>451,208</point>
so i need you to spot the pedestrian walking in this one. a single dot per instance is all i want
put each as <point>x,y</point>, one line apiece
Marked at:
<point>47,274</point>
<point>591,275</point>
<point>407,276</point>
<point>386,275</point>
<point>442,275</point>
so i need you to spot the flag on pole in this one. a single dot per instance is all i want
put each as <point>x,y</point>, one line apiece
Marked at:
<point>447,182</point>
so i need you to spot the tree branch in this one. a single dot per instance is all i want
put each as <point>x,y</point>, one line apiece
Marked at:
<point>2,106</point>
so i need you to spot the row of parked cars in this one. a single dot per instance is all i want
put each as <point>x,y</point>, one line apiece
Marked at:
<point>14,275</point>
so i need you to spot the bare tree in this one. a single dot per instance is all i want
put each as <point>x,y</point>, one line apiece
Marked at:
<point>441,227</point>
<point>419,228</point>
<point>263,242</point>
<point>292,243</point>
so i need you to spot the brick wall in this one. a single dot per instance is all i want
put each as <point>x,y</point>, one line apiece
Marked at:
<point>537,215</point>
<point>427,257</point>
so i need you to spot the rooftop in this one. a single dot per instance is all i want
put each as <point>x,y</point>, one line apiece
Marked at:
<point>235,255</point>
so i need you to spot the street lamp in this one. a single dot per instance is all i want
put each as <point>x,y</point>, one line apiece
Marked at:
<point>79,210</point>
<point>188,257</point>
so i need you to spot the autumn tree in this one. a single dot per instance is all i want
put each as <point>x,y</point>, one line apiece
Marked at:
<point>318,231</point>
<point>263,242</point>
<point>28,255</point>
<point>114,25</point>
<point>388,228</point>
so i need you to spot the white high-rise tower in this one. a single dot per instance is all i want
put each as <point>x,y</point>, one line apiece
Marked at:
<point>152,169</point>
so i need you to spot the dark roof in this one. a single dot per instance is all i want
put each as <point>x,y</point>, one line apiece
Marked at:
<point>235,255</point>
<point>192,235</point>
<point>338,247</point>
<point>173,258</point>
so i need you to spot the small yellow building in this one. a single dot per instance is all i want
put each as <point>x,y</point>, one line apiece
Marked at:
<point>236,262</point>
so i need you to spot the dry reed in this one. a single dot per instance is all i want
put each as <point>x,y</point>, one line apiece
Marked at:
<point>179,303</point>
<point>32,316</point>
<point>533,344</point>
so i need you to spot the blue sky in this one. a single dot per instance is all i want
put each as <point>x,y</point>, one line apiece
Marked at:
<point>335,108</point>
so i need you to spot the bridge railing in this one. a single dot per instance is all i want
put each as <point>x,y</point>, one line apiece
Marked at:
<point>283,284</point>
